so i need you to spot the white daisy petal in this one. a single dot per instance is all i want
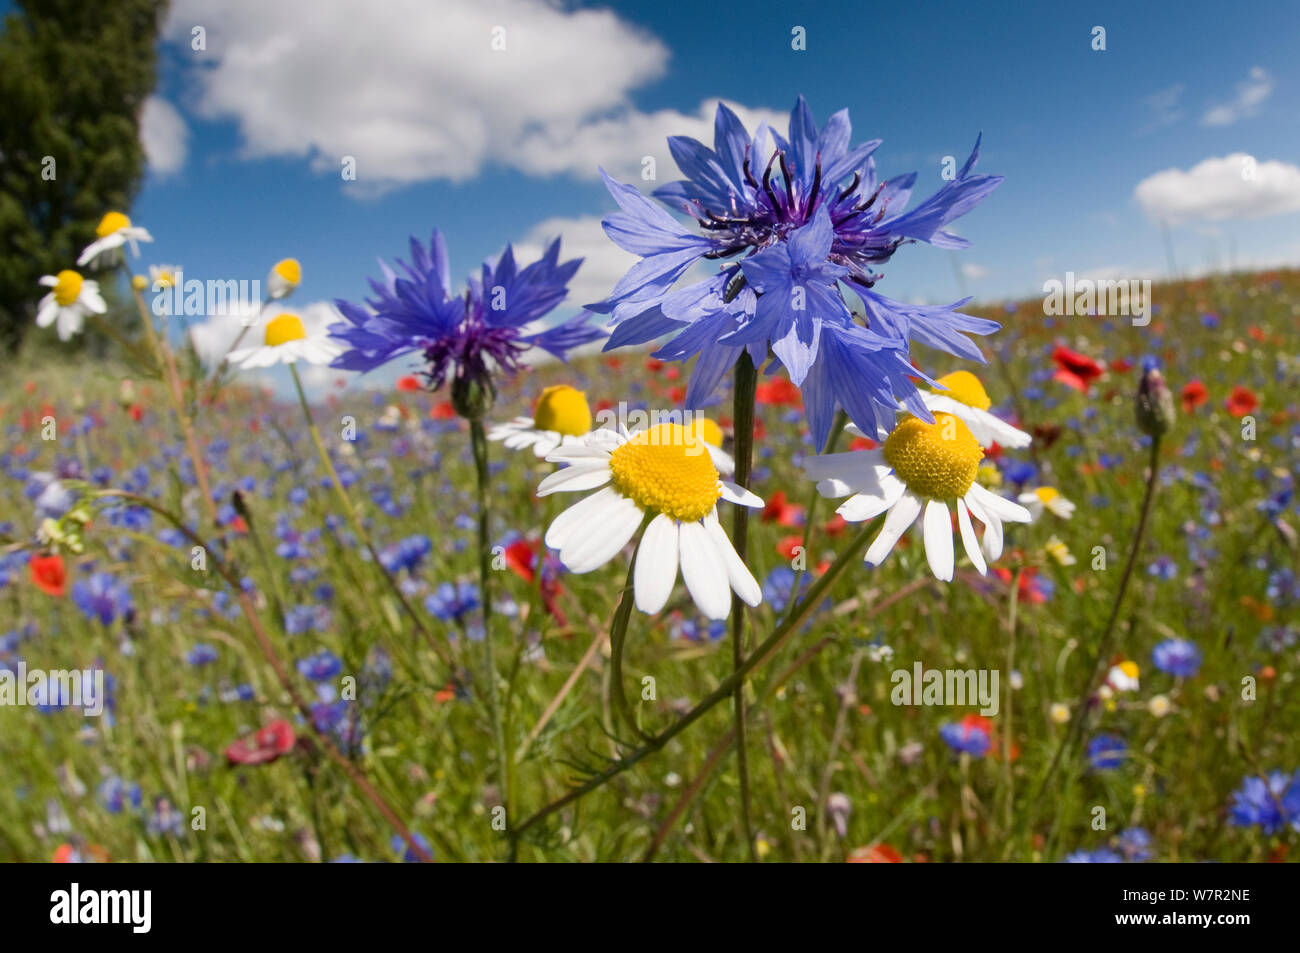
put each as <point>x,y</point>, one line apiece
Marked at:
<point>984,427</point>
<point>733,493</point>
<point>656,564</point>
<point>992,542</point>
<point>866,506</point>
<point>937,530</point>
<point>902,515</point>
<point>738,574</point>
<point>968,539</point>
<point>600,541</point>
<point>575,478</point>
<point>722,461</point>
<point>49,310</point>
<point>703,571</point>
<point>1000,506</point>
<point>587,510</point>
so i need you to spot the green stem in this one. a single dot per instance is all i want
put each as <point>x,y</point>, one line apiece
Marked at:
<point>746,383</point>
<point>617,638</point>
<point>478,440</point>
<point>1108,634</point>
<point>724,690</point>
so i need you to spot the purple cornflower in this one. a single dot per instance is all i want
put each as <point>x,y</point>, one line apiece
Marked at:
<point>201,654</point>
<point>102,597</point>
<point>1106,752</point>
<point>451,603</point>
<point>1177,657</point>
<point>797,225</point>
<point>321,667</point>
<point>1270,804</point>
<point>464,337</point>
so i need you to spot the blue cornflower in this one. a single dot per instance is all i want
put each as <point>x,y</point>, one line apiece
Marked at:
<point>1102,855</point>
<point>321,667</point>
<point>1107,751</point>
<point>451,603</point>
<point>407,553</point>
<point>465,336</point>
<point>1271,804</point>
<point>796,225</point>
<point>403,852</point>
<point>201,654</point>
<point>1177,657</point>
<point>116,795</point>
<point>971,735</point>
<point>102,597</point>
<point>1135,844</point>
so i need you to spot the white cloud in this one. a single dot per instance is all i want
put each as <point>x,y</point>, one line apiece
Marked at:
<point>973,271</point>
<point>1250,95</point>
<point>604,263</point>
<point>164,136</point>
<point>415,91</point>
<point>1217,189</point>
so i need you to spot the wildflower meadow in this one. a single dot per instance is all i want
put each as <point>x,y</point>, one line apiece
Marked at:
<point>756,556</point>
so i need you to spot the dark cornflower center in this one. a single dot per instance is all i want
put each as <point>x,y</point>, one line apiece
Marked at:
<point>470,352</point>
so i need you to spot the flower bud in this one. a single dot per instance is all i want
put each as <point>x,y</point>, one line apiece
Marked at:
<point>1155,402</point>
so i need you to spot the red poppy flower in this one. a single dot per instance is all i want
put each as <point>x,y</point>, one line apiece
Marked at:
<point>409,383</point>
<point>1074,369</point>
<point>780,393</point>
<point>136,412</point>
<point>264,745</point>
<point>653,365</point>
<point>1121,366</point>
<point>49,573</point>
<point>521,559</point>
<point>862,443</point>
<point>835,525</point>
<point>781,512</point>
<point>880,854</point>
<point>1241,401</point>
<point>1194,394</point>
<point>787,545</point>
<point>443,411</point>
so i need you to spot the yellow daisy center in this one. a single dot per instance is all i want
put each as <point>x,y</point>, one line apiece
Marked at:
<point>563,410</point>
<point>112,222</point>
<point>164,279</point>
<point>666,469</point>
<point>1046,494</point>
<point>68,288</point>
<point>1129,668</point>
<point>707,430</point>
<point>937,460</point>
<point>289,270</point>
<point>284,328</point>
<point>965,387</point>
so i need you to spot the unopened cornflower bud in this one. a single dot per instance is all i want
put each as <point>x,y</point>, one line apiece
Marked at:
<point>1155,402</point>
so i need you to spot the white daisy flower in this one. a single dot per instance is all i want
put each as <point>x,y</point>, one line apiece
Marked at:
<point>285,276</point>
<point>114,231</point>
<point>1046,498</point>
<point>72,299</point>
<point>1122,678</point>
<point>665,475</point>
<point>966,399</point>
<point>561,417</point>
<point>162,277</point>
<point>920,468</point>
<point>285,340</point>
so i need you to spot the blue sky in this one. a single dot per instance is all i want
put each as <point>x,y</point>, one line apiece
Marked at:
<point>247,135</point>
